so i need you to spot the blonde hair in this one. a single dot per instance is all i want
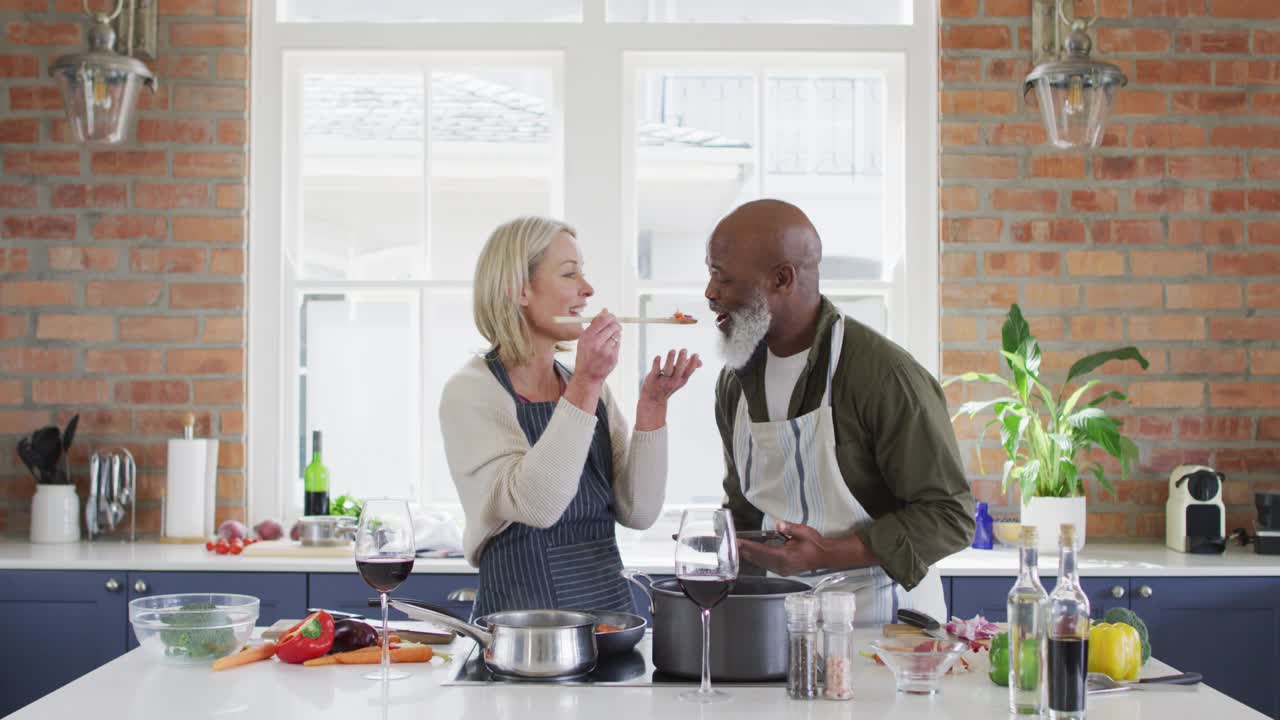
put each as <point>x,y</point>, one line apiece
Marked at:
<point>504,267</point>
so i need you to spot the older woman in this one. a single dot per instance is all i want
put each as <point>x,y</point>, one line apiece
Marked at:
<point>541,456</point>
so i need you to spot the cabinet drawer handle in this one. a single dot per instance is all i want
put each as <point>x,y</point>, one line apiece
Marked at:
<point>113,585</point>
<point>462,595</point>
<point>140,586</point>
<point>1144,592</point>
<point>1117,592</point>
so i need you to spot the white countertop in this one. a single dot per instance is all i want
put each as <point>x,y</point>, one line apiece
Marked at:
<point>1096,560</point>
<point>137,686</point>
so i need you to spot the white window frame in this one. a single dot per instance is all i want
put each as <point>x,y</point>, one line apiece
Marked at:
<point>596,102</point>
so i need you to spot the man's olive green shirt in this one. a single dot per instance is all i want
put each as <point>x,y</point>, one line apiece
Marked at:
<point>895,446</point>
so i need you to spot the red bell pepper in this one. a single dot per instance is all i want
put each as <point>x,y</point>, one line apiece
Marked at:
<point>309,639</point>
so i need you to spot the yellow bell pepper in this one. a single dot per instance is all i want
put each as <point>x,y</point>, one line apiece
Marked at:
<point>1115,649</point>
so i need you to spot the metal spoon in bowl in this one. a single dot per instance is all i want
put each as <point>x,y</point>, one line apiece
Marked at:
<point>1103,683</point>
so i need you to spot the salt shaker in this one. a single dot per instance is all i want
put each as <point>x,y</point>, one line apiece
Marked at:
<point>802,645</point>
<point>837,631</point>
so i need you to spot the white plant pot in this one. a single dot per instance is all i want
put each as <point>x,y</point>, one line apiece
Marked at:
<point>55,514</point>
<point>1048,514</point>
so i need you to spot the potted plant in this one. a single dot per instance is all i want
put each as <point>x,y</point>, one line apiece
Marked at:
<point>1046,434</point>
<point>55,508</point>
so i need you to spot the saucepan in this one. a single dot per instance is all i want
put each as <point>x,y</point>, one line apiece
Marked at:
<point>523,644</point>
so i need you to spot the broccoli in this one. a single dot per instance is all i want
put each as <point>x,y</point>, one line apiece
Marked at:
<point>200,637</point>
<point>1130,618</point>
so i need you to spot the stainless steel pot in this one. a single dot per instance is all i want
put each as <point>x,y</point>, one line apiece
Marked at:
<point>748,629</point>
<point>523,644</point>
<point>326,530</point>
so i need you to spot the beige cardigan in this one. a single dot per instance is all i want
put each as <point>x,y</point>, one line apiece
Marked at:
<point>501,479</point>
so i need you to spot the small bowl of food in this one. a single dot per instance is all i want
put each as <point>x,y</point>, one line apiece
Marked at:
<point>193,628</point>
<point>1006,532</point>
<point>918,665</point>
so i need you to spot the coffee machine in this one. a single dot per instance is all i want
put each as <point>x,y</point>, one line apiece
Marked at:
<point>1267,540</point>
<point>1195,518</point>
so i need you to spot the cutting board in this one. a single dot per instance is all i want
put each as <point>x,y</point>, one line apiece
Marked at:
<point>430,638</point>
<point>294,549</point>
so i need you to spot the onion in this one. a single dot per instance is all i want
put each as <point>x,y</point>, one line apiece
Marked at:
<point>268,530</point>
<point>232,529</point>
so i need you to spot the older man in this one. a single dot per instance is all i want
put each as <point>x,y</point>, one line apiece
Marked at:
<point>832,434</point>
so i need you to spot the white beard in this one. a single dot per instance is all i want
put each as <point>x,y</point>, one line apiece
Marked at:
<point>747,329</point>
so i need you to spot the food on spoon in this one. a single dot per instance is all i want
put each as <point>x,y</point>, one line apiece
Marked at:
<point>606,628</point>
<point>683,319</point>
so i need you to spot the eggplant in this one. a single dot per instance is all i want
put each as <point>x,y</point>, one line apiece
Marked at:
<point>351,635</point>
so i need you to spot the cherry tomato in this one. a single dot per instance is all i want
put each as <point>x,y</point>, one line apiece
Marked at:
<point>222,549</point>
<point>209,546</point>
<point>237,542</point>
<point>237,549</point>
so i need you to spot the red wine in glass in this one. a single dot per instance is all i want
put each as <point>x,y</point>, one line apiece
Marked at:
<point>706,591</point>
<point>384,574</point>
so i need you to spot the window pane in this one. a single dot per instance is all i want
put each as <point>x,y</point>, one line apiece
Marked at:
<point>431,11</point>
<point>825,154</point>
<point>697,462</point>
<point>869,311</point>
<point>361,176</point>
<point>860,12</point>
<point>695,161</point>
<point>359,386</point>
<point>491,159</point>
<point>452,340</point>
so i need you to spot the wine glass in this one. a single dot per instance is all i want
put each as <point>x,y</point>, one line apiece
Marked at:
<point>706,567</point>
<point>385,549</point>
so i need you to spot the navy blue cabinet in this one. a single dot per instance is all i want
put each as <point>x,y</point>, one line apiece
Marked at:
<point>348,593</point>
<point>65,623</point>
<point>987,595</point>
<point>281,595</point>
<point>1227,629</point>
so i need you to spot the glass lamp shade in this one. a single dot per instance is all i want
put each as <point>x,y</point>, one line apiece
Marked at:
<point>99,99</point>
<point>1075,98</point>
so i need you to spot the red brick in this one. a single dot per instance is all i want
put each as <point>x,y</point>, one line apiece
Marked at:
<point>1214,41</point>
<point>1262,295</point>
<point>1264,362</point>
<point>1227,102</point>
<point>959,329</point>
<point>1024,264</point>
<point>188,296</point>
<point>971,230</point>
<point>69,392</point>
<point>185,7</point>
<point>1057,166</point>
<point>36,292</point>
<point>166,260</point>
<point>1174,72</point>
<point>170,196</point>
<point>1219,167</point>
<point>1244,394</point>
<point>129,162</point>
<point>978,296</point>
<point>1264,233</point>
<point>979,166</point>
<point>956,133</point>
<point>1246,263</point>
<point>976,37</point>
<point>14,260</point>
<point>34,33</point>
<point>12,326</point>
<point>11,392</point>
<point>19,66</point>
<point>1169,8</point>
<point>1132,232</point>
<point>124,293</point>
<point>1205,232</point>
<point>1246,72</point>
<point>152,392</point>
<point>229,197</point>
<point>39,227</point>
<point>206,34</point>
<point>958,8</point>
<point>183,132</point>
<point>1219,296</point>
<point>1093,200</point>
<point>1050,295</point>
<point>13,422</point>
<point>19,130</point>
<point>1166,135</point>
<point>1041,201</point>
<point>1245,9</point>
<point>233,8</point>
<point>90,196</point>
<point>89,328</point>
<point>223,329</point>
<point>1167,327</point>
<point>232,132</point>
<point>171,422</point>
<point>208,164</point>
<point>1265,200</point>
<point>205,361</point>
<point>1246,136</point>
<point>1048,231</point>
<point>226,262</point>
<point>959,198</point>
<point>1167,199</point>
<point>124,362</point>
<point>1018,134</point>
<point>1227,201</point>
<point>131,227</point>
<point>19,196</point>
<point>1265,167</point>
<point>158,100</point>
<point>1245,328</point>
<point>977,102</point>
<point>1215,427</point>
<point>1244,460</point>
<point>157,329</point>
<point>1118,40</point>
<point>1180,394</point>
<point>83,258</point>
<point>1124,296</point>
<point>210,99</point>
<point>1269,428</point>
<point>1164,460</point>
<point>208,229</point>
<point>1141,102</point>
<point>1095,262</point>
<point>959,69</point>
<point>1265,42</point>
<point>955,362</point>
<point>1007,69</point>
<point>183,67</point>
<point>230,454</point>
<point>232,67</point>
<point>1126,167</point>
<point>44,361</point>
<point>41,162</point>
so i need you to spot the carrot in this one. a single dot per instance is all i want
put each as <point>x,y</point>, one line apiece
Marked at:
<point>249,654</point>
<point>418,653</point>
<point>322,660</point>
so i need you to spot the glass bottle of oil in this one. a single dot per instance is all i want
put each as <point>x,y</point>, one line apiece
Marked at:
<point>1027,606</point>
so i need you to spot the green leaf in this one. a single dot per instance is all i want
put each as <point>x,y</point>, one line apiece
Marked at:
<point>973,407</point>
<point>1102,430</point>
<point>1069,478</point>
<point>1129,456</point>
<point>1019,366</point>
<point>1064,442</point>
<point>1109,395</point>
<point>1089,363</point>
<point>1101,477</point>
<point>1015,331</point>
<point>1070,404</point>
<point>1031,355</point>
<point>979,377</point>
<point>1031,473</point>
<point>1004,477</point>
<point>1012,428</point>
<point>1082,418</point>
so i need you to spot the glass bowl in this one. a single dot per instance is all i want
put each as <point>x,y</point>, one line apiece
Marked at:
<point>193,628</point>
<point>917,664</point>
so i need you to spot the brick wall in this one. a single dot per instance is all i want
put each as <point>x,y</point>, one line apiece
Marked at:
<point>1166,238</point>
<point>122,269</point>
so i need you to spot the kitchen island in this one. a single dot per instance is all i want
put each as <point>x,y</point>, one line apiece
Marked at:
<point>139,687</point>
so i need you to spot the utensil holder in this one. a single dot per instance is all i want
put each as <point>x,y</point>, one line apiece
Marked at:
<point>111,509</point>
<point>55,514</point>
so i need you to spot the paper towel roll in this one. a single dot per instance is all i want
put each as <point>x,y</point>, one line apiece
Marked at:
<point>189,494</point>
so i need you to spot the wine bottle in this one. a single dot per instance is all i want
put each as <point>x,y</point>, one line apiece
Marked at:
<point>316,482</point>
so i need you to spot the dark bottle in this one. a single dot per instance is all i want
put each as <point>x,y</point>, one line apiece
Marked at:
<point>1068,636</point>
<point>315,498</point>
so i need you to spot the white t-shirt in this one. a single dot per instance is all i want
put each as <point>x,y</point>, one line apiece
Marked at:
<point>780,376</point>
